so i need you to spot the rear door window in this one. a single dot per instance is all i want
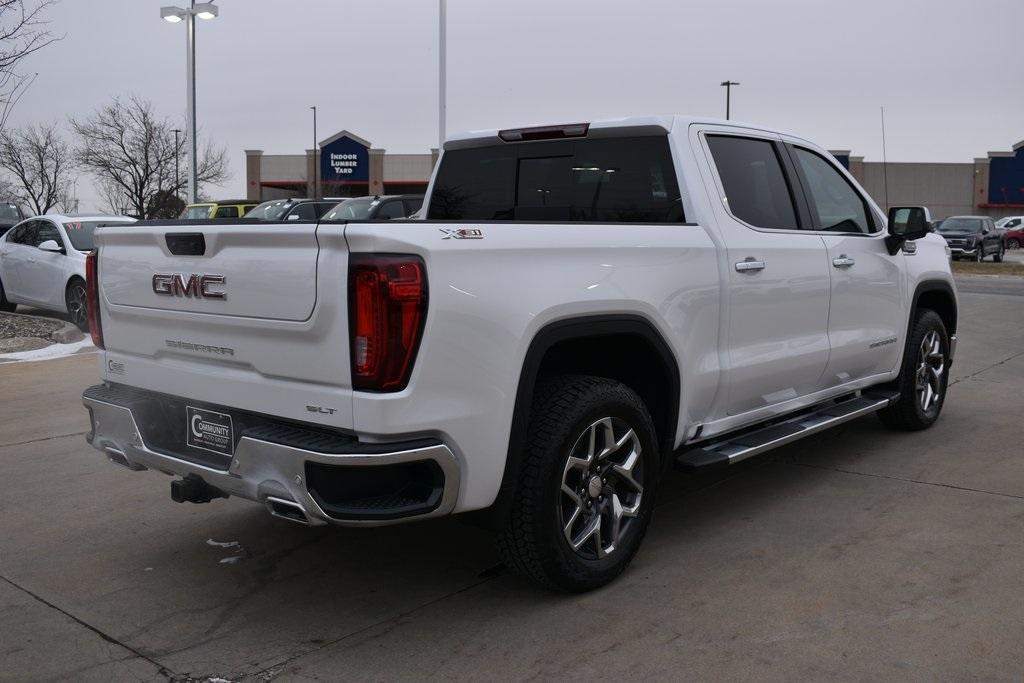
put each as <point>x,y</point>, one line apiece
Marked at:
<point>756,189</point>
<point>603,180</point>
<point>226,212</point>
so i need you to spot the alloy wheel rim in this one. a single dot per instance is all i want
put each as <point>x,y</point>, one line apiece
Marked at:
<point>76,305</point>
<point>602,488</point>
<point>930,369</point>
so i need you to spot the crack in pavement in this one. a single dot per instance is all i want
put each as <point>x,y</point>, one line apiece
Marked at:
<point>274,669</point>
<point>44,438</point>
<point>985,369</point>
<point>161,669</point>
<point>903,479</point>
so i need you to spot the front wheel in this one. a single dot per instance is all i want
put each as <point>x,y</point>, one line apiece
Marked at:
<point>1012,244</point>
<point>979,254</point>
<point>586,484</point>
<point>5,305</point>
<point>74,297</point>
<point>924,376</point>
<point>998,258</point>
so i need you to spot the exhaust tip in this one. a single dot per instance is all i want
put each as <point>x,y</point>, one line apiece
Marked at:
<point>118,457</point>
<point>287,509</point>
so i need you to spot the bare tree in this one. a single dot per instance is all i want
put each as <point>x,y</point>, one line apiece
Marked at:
<point>131,152</point>
<point>40,162</point>
<point>23,30</point>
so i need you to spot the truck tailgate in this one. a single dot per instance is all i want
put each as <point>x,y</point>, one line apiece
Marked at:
<point>253,316</point>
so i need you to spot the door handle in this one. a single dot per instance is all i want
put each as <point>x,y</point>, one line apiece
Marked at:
<point>842,261</point>
<point>749,264</point>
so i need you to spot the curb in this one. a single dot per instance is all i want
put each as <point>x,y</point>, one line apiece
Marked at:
<point>67,334</point>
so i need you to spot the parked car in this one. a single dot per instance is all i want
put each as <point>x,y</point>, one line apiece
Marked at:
<point>376,208</point>
<point>973,237</point>
<point>42,263</point>
<point>10,215</point>
<point>1013,231</point>
<point>292,209</point>
<point>583,307</point>
<point>227,208</point>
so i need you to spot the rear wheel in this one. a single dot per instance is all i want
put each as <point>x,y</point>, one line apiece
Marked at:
<point>586,484</point>
<point>74,298</point>
<point>5,305</point>
<point>924,377</point>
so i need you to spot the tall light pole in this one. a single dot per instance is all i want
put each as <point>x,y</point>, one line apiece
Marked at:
<point>177,153</point>
<point>442,70</point>
<point>316,160</point>
<point>203,10</point>
<point>728,91</point>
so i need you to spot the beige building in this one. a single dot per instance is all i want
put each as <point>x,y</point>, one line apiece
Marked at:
<point>345,165</point>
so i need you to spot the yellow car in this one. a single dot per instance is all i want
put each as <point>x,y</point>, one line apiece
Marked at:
<point>228,208</point>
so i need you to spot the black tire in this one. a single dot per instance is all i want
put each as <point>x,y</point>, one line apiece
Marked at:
<point>1012,244</point>
<point>5,305</point>
<point>909,412</point>
<point>998,258</point>
<point>74,301</point>
<point>979,254</point>
<point>567,410</point>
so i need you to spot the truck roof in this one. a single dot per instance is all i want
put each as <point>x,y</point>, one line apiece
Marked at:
<point>601,127</point>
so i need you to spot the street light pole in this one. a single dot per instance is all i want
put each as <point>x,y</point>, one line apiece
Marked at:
<point>442,71</point>
<point>193,182</point>
<point>316,160</point>
<point>177,153</point>
<point>728,91</point>
<point>203,10</point>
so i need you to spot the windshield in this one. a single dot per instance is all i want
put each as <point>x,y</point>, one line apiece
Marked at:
<point>196,211</point>
<point>9,212</point>
<point>273,210</point>
<point>80,232</point>
<point>352,210</point>
<point>960,225</point>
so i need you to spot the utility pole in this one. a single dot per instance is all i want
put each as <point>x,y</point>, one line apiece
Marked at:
<point>316,159</point>
<point>728,92</point>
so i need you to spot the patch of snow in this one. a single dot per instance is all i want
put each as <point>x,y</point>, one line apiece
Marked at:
<point>223,544</point>
<point>49,352</point>
<point>231,560</point>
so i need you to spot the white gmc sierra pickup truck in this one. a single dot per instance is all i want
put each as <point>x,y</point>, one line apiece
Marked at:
<point>582,307</point>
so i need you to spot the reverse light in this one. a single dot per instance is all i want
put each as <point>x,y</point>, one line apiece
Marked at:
<point>387,309</point>
<point>92,298</point>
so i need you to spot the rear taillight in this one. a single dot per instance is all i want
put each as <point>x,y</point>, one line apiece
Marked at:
<point>387,309</point>
<point>92,299</point>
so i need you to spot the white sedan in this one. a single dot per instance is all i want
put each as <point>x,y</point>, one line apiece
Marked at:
<point>42,263</point>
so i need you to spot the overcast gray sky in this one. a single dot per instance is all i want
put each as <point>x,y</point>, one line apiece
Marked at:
<point>949,72</point>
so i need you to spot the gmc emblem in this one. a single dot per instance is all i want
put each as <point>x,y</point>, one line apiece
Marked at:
<point>198,286</point>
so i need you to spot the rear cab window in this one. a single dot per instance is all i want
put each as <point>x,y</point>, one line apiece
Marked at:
<point>593,180</point>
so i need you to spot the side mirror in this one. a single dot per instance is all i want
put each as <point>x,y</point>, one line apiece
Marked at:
<point>907,223</point>
<point>52,246</point>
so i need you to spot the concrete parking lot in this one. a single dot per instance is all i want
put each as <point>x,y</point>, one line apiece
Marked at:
<point>860,554</point>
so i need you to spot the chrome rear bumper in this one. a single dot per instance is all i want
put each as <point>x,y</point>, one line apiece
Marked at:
<point>270,473</point>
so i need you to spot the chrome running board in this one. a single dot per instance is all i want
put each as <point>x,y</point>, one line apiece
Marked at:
<point>729,450</point>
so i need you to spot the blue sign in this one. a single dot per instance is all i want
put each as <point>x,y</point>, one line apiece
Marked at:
<point>1006,179</point>
<point>344,160</point>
